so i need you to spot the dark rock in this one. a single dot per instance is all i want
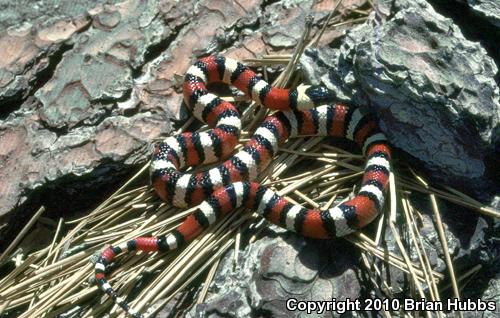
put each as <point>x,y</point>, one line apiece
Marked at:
<point>492,293</point>
<point>276,268</point>
<point>475,27</point>
<point>486,9</point>
<point>433,89</point>
<point>484,285</point>
<point>472,240</point>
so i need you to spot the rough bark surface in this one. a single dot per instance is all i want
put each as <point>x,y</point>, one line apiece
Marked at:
<point>82,97</point>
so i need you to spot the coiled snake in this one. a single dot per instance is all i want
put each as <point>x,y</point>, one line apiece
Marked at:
<point>224,188</point>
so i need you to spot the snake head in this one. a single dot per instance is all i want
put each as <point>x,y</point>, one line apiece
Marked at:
<point>320,95</point>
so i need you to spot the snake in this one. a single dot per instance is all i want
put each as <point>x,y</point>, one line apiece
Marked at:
<point>305,110</point>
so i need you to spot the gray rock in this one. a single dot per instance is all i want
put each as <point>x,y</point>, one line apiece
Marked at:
<point>433,90</point>
<point>283,31</point>
<point>492,293</point>
<point>486,9</point>
<point>276,268</point>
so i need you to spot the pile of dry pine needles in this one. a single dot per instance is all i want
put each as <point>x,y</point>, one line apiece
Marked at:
<point>55,279</point>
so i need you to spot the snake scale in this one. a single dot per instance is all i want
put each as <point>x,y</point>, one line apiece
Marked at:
<point>306,110</point>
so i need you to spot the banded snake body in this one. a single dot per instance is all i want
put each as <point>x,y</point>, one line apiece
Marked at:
<point>222,189</point>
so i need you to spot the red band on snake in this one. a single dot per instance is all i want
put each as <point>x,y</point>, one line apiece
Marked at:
<point>230,185</point>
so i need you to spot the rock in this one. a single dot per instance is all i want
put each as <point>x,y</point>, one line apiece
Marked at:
<point>210,28</point>
<point>487,288</point>
<point>492,293</point>
<point>275,268</point>
<point>433,90</point>
<point>436,95</point>
<point>475,26</point>
<point>282,31</point>
<point>486,9</point>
